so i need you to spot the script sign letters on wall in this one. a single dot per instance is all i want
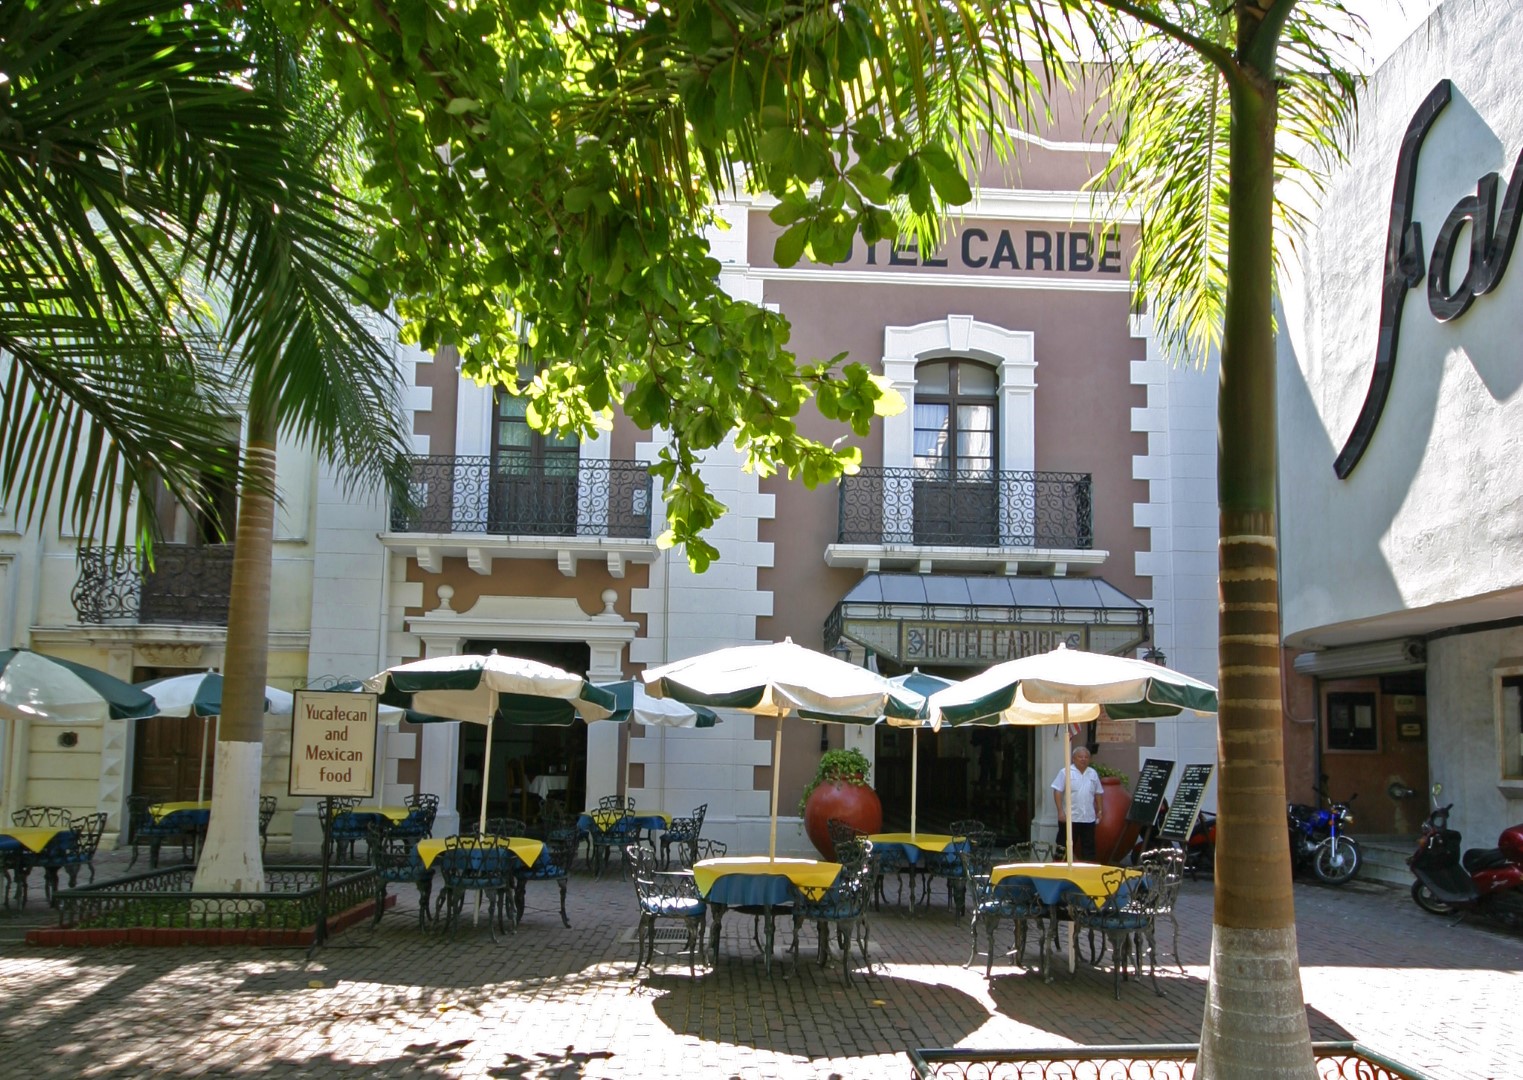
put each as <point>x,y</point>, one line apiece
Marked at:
<point>1492,237</point>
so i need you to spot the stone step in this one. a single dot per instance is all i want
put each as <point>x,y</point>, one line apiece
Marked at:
<point>1385,860</point>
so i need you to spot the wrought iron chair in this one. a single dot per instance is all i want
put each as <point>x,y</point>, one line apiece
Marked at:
<point>266,815</point>
<point>553,864</point>
<point>81,853</point>
<point>1126,919</point>
<point>344,829</point>
<point>506,826</point>
<point>892,859</point>
<point>611,830</point>
<point>665,896</point>
<point>143,830</point>
<point>475,864</point>
<point>1033,851</point>
<point>703,849</point>
<point>1164,870</point>
<point>555,823</point>
<point>948,866</point>
<point>842,905</point>
<point>37,817</point>
<point>1016,900</point>
<point>684,831</point>
<point>842,833</point>
<point>393,852</point>
<point>422,809</point>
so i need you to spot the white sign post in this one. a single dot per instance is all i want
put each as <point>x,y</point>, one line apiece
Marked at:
<point>333,736</point>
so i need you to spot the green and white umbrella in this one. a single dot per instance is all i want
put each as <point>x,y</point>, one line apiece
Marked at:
<point>636,704</point>
<point>1067,686</point>
<point>38,687</point>
<point>783,679</point>
<point>200,694</point>
<point>488,690</point>
<point>918,682</point>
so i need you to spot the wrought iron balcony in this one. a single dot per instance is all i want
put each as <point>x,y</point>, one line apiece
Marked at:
<point>945,508</point>
<point>187,584</point>
<point>549,498</point>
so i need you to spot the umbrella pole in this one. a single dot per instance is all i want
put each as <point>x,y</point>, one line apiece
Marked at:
<point>201,773</point>
<point>777,767</point>
<point>914,777</point>
<point>486,776</point>
<point>1068,795</point>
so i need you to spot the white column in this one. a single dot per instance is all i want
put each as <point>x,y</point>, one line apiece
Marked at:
<point>606,665</point>
<point>439,759</point>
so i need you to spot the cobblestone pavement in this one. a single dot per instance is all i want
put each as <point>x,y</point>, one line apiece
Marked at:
<point>552,1002</point>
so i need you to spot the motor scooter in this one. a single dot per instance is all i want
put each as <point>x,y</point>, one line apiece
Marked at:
<point>1487,881</point>
<point>1318,840</point>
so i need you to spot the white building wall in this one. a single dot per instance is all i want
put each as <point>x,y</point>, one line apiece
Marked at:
<point>1181,518</point>
<point>1433,513</point>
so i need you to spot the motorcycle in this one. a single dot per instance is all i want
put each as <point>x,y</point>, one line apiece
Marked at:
<point>1318,840</point>
<point>1488,881</point>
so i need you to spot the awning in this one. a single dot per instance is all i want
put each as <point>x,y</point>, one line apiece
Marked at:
<point>977,620</point>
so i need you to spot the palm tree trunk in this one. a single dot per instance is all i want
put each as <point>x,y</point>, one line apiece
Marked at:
<point>1255,1018</point>
<point>232,861</point>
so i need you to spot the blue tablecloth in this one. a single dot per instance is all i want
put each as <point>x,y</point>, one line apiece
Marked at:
<point>63,839</point>
<point>751,890</point>
<point>634,821</point>
<point>187,820</point>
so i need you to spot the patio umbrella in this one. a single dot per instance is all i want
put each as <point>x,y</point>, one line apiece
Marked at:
<point>38,687</point>
<point>917,682</point>
<point>491,689</point>
<point>634,703</point>
<point>200,694</point>
<point>1068,686</point>
<point>782,679</point>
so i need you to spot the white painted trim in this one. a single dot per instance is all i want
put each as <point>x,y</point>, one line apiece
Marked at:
<point>1013,204</point>
<point>945,281</point>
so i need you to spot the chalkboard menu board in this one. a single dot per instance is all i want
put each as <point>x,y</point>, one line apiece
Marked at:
<point>1181,816</point>
<point>1147,796</point>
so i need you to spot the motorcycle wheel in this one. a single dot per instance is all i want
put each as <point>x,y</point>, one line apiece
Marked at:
<point>1336,861</point>
<point>1424,898</point>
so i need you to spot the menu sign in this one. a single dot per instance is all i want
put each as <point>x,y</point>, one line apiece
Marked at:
<point>1187,796</point>
<point>333,743</point>
<point>1147,796</point>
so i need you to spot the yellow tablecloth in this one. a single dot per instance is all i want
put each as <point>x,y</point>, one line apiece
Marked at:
<point>1089,877</point>
<point>805,873</point>
<point>923,841</point>
<point>525,849</point>
<point>390,813</point>
<point>32,837</point>
<point>160,811</point>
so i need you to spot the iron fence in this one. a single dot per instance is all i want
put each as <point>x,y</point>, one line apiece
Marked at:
<point>452,494</point>
<point>967,508</point>
<point>184,584</point>
<point>163,899</point>
<point>1169,1061</point>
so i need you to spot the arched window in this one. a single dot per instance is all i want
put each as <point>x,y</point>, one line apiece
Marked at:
<point>957,418</point>
<point>956,453</point>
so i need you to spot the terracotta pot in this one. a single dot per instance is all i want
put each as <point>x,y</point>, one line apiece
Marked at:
<point>1115,835</point>
<point>855,804</point>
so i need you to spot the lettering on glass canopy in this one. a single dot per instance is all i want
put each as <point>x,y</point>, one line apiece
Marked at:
<point>1492,229</point>
<point>952,643</point>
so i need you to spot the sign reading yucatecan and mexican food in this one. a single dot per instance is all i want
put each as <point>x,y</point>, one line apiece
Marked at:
<point>333,743</point>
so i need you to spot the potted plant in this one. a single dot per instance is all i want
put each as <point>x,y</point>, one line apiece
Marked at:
<point>1115,835</point>
<point>839,790</point>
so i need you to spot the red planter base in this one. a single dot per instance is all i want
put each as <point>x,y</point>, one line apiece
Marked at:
<point>855,804</point>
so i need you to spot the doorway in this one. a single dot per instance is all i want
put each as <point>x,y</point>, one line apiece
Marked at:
<point>974,772</point>
<point>167,752</point>
<point>521,753</point>
<point>1374,743</point>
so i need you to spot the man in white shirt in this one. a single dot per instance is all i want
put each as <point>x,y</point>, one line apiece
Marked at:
<point>1088,795</point>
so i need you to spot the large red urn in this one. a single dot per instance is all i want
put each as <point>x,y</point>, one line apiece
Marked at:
<point>1115,835</point>
<point>855,804</point>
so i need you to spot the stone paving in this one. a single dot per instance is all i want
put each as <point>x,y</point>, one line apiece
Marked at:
<point>551,1002</point>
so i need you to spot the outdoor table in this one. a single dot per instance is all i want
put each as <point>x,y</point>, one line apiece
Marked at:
<point>526,850</point>
<point>921,851</point>
<point>758,885</point>
<point>192,816</point>
<point>1054,881</point>
<point>380,815</point>
<point>19,842</point>
<point>636,826</point>
<point>543,784</point>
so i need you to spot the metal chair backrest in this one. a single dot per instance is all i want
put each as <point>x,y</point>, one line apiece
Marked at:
<point>506,826</point>
<point>56,817</point>
<point>968,826</point>
<point>391,851</point>
<point>473,862</point>
<point>705,849</point>
<point>615,802</point>
<point>266,812</point>
<point>422,809</point>
<point>1163,871</point>
<point>87,834</point>
<point>842,834</point>
<point>1031,851</point>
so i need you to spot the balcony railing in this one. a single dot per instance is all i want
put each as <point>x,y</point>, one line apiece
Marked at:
<point>186,584</point>
<point>1135,1061</point>
<point>944,508</point>
<point>549,498</point>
